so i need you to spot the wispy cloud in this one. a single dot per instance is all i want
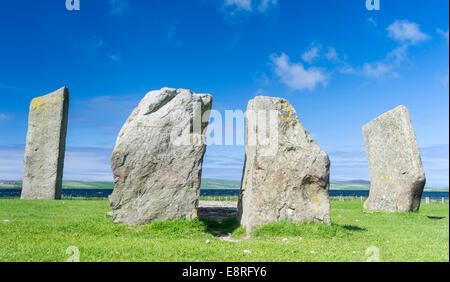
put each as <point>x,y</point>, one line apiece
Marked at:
<point>332,55</point>
<point>349,162</point>
<point>372,22</point>
<point>404,32</point>
<point>237,8</point>
<point>445,79</point>
<point>311,54</point>
<point>118,7</point>
<point>171,36</point>
<point>4,117</point>
<point>296,76</point>
<point>104,112</point>
<point>81,163</point>
<point>251,5</point>
<point>443,33</point>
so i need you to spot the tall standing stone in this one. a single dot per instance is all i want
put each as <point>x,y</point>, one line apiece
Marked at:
<point>46,145</point>
<point>158,156</point>
<point>397,175</point>
<point>286,174</point>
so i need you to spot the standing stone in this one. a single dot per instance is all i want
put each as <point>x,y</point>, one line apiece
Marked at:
<point>397,175</point>
<point>158,156</point>
<point>286,174</point>
<point>46,146</point>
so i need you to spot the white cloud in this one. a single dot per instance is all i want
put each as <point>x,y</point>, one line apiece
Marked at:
<point>377,70</point>
<point>372,22</point>
<point>296,76</point>
<point>311,54</point>
<point>4,116</point>
<point>261,6</point>
<point>332,55</point>
<point>118,7</point>
<point>240,4</point>
<point>264,5</point>
<point>406,32</point>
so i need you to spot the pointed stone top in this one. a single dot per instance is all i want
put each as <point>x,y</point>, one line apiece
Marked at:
<point>392,113</point>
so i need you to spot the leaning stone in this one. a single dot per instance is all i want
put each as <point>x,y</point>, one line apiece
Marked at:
<point>286,174</point>
<point>158,156</point>
<point>45,147</point>
<point>397,175</point>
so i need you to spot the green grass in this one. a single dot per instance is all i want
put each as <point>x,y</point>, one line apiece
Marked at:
<point>43,231</point>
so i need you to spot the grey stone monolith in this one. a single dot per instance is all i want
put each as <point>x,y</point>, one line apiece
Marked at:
<point>286,174</point>
<point>158,156</point>
<point>396,171</point>
<point>45,146</point>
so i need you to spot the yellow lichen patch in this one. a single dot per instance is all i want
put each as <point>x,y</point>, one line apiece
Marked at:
<point>36,103</point>
<point>317,200</point>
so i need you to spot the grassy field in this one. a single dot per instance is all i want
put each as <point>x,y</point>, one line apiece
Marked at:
<point>53,230</point>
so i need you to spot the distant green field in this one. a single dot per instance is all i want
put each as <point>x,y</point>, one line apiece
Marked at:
<point>207,183</point>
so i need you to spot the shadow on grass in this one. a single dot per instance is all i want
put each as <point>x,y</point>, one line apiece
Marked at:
<point>219,221</point>
<point>225,227</point>
<point>436,217</point>
<point>353,228</point>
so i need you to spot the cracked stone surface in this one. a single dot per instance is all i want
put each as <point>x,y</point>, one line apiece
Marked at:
<point>286,178</point>
<point>158,156</point>
<point>396,171</point>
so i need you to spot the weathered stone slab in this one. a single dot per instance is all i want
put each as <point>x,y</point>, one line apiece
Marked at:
<point>158,156</point>
<point>397,175</point>
<point>45,148</point>
<point>286,177</point>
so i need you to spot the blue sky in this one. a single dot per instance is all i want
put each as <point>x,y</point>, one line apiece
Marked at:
<point>339,64</point>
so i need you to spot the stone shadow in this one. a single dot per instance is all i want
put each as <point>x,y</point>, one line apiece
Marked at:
<point>436,217</point>
<point>219,217</point>
<point>353,228</point>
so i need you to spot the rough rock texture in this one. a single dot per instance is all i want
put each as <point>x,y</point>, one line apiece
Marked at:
<point>397,175</point>
<point>286,178</point>
<point>46,145</point>
<point>158,156</point>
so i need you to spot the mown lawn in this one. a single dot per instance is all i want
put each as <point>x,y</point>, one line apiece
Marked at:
<point>49,231</point>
